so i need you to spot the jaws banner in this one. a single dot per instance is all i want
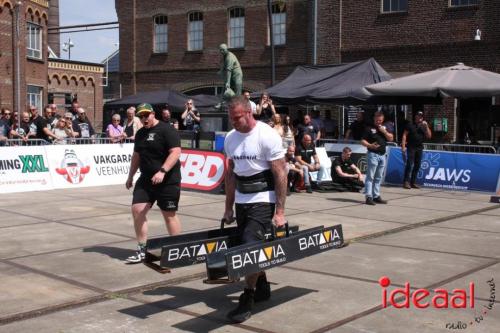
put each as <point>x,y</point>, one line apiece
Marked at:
<point>446,170</point>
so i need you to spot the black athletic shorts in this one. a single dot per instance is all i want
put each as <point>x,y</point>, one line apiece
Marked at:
<point>166,195</point>
<point>254,220</point>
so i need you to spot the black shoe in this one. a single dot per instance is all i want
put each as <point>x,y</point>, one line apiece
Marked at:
<point>309,189</point>
<point>379,200</point>
<point>413,185</point>
<point>262,289</point>
<point>244,309</point>
<point>369,201</point>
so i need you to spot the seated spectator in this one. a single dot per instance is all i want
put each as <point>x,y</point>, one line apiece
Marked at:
<point>82,125</point>
<point>305,154</point>
<point>114,131</point>
<point>132,124</point>
<point>346,173</point>
<point>295,172</point>
<point>62,132</point>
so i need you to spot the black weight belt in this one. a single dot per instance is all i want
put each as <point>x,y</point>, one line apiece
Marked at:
<point>260,182</point>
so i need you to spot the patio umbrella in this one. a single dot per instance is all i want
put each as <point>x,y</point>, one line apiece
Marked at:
<point>458,81</point>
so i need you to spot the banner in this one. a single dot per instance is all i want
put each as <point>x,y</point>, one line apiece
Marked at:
<point>202,170</point>
<point>449,170</point>
<point>89,165</point>
<point>24,168</point>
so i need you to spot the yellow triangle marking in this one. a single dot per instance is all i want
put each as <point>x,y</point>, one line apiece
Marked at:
<point>269,252</point>
<point>211,246</point>
<point>328,235</point>
<point>280,234</point>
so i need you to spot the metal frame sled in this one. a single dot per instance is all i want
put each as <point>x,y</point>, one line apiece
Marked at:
<point>247,259</point>
<point>165,253</point>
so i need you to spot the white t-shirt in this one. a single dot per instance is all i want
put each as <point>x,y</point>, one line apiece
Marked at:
<point>252,153</point>
<point>254,107</point>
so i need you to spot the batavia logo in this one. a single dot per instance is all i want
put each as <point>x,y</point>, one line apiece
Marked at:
<point>322,239</point>
<point>72,169</point>
<point>196,250</point>
<point>442,299</point>
<point>264,257</point>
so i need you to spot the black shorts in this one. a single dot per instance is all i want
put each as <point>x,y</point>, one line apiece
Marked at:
<point>166,195</point>
<point>254,220</point>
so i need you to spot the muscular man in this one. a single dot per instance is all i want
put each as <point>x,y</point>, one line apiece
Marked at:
<point>157,149</point>
<point>231,71</point>
<point>256,180</point>
<point>412,146</point>
<point>375,140</point>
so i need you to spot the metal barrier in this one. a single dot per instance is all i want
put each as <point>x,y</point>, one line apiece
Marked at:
<point>460,148</point>
<point>321,142</point>
<point>29,142</point>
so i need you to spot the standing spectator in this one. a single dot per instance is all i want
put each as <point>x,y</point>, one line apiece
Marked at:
<point>62,132</point>
<point>23,131</point>
<point>307,127</point>
<point>175,124</point>
<point>357,128</point>
<point>74,109</point>
<point>265,109</point>
<point>157,150</point>
<point>318,122</point>
<point>246,94</point>
<point>295,172</point>
<point>330,126</point>
<point>114,131</point>
<point>192,120</point>
<point>375,140</point>
<point>346,172</point>
<point>306,154</point>
<point>50,117</point>
<point>288,132</point>
<point>132,124</point>
<point>412,147</point>
<point>5,126</point>
<point>276,120</point>
<point>166,116</point>
<point>82,125</point>
<point>39,126</point>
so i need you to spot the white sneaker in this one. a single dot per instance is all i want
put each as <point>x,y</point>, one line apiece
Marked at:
<point>138,257</point>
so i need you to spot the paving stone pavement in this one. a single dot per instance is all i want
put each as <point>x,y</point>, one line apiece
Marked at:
<point>62,269</point>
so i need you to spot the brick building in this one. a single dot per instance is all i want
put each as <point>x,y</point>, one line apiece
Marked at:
<point>41,79</point>
<point>167,44</point>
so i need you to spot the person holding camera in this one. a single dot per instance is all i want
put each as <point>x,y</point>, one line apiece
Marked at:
<point>412,148</point>
<point>265,109</point>
<point>192,120</point>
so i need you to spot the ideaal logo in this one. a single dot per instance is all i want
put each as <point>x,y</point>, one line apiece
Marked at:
<point>72,168</point>
<point>440,299</point>
<point>196,250</point>
<point>263,257</point>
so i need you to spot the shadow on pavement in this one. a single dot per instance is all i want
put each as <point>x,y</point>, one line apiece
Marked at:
<point>346,200</point>
<point>110,251</point>
<point>215,298</point>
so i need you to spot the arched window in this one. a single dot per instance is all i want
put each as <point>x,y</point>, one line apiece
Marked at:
<point>160,39</point>
<point>236,27</point>
<point>279,23</point>
<point>195,31</point>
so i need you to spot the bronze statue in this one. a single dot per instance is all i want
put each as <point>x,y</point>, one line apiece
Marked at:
<point>231,73</point>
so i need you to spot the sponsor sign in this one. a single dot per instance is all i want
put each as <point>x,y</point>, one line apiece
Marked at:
<point>195,252</point>
<point>24,169</point>
<point>84,165</point>
<point>449,170</point>
<point>202,170</point>
<point>246,260</point>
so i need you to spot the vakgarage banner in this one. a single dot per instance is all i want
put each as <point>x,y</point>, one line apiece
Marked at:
<point>24,169</point>
<point>449,170</point>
